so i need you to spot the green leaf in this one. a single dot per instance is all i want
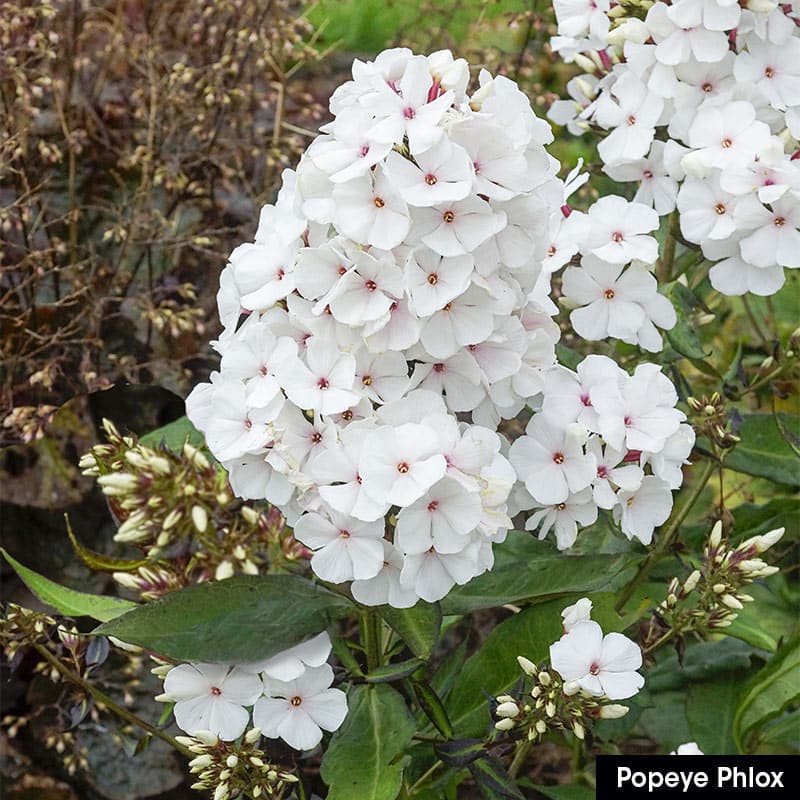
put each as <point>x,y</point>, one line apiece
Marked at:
<point>100,562</point>
<point>418,626</point>
<point>361,760</point>
<point>764,450</point>
<point>527,569</point>
<point>772,689</point>
<point>67,601</point>
<point>460,752</point>
<point>710,709</point>
<point>394,672</point>
<point>241,619</point>
<point>780,736</point>
<point>566,792</point>
<point>432,707</point>
<point>174,435</point>
<point>683,336</point>
<point>492,779</point>
<point>769,619</point>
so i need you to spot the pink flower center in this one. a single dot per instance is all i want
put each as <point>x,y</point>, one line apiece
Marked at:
<point>323,384</point>
<point>617,237</point>
<point>402,468</point>
<point>769,72</point>
<point>438,367</point>
<point>247,424</point>
<point>585,400</point>
<point>316,437</point>
<point>594,669</point>
<point>609,294</point>
<point>344,534</point>
<point>371,285</point>
<point>727,142</point>
<point>449,216</point>
<point>364,150</point>
<point>779,222</point>
<point>379,202</point>
<point>433,279</point>
<point>409,113</point>
<point>602,471</point>
<point>558,458</point>
<point>216,691</point>
<point>433,505</point>
<point>296,701</point>
<point>431,179</point>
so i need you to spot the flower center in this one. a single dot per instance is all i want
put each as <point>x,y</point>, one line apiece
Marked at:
<point>602,471</point>
<point>433,279</point>
<point>631,120</point>
<point>719,208</point>
<point>561,506</point>
<point>727,142</point>
<point>594,668</point>
<point>402,467</point>
<point>347,415</point>
<point>617,237</point>
<point>586,400</point>
<point>216,691</point>
<point>323,384</point>
<point>448,216</point>
<point>707,87</point>
<point>433,505</point>
<point>431,179</point>
<point>609,294</point>
<point>344,534</point>
<point>316,437</point>
<point>342,269</point>
<point>438,367</point>
<point>296,701</point>
<point>379,202</point>
<point>779,222</point>
<point>409,113</point>
<point>364,150</point>
<point>769,72</point>
<point>558,458</point>
<point>551,251</point>
<point>628,421</point>
<point>647,174</point>
<point>247,424</point>
<point>367,380</point>
<point>371,285</point>
<point>280,273</point>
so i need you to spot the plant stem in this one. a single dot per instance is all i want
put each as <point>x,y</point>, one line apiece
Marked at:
<point>108,703</point>
<point>425,777</point>
<point>669,533</point>
<point>523,748</point>
<point>372,640</point>
<point>664,264</point>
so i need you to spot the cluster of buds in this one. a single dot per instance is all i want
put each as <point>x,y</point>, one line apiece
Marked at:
<point>235,769</point>
<point>20,627</point>
<point>711,597</point>
<point>180,510</point>
<point>550,705</point>
<point>711,419</point>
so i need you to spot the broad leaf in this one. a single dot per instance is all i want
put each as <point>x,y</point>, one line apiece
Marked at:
<point>67,601</point>
<point>770,618</point>
<point>418,626</point>
<point>764,450</point>
<point>527,569</point>
<point>361,760</point>
<point>710,709</point>
<point>772,689</point>
<point>460,752</point>
<point>432,707</point>
<point>174,435</point>
<point>245,618</point>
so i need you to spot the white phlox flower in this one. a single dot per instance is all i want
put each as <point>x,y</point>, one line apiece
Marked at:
<point>596,664</point>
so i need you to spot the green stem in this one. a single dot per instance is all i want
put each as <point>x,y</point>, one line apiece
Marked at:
<point>108,703</point>
<point>576,758</point>
<point>754,322</point>
<point>669,533</point>
<point>664,264</point>
<point>523,748</point>
<point>372,639</point>
<point>425,777</point>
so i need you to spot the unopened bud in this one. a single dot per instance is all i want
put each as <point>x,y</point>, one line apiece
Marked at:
<point>716,534</point>
<point>613,711</point>
<point>505,724</point>
<point>200,518</point>
<point>731,602</point>
<point>544,678</point>
<point>541,726</point>
<point>691,582</point>
<point>510,709</point>
<point>223,571</point>
<point>528,667</point>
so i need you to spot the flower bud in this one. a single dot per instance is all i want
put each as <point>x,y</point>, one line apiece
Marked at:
<point>691,582</point>
<point>544,678</point>
<point>505,724</point>
<point>578,730</point>
<point>253,735</point>
<point>613,711</point>
<point>731,602</point>
<point>528,667</point>
<point>716,534</point>
<point>541,726</point>
<point>510,709</point>
<point>223,571</point>
<point>201,762</point>
<point>200,518</point>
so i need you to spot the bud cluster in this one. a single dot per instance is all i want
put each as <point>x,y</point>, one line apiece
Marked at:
<point>711,597</point>
<point>235,769</point>
<point>547,705</point>
<point>710,418</point>
<point>179,509</point>
<point>21,627</point>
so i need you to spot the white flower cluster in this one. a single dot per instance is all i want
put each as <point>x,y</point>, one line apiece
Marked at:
<point>402,279</point>
<point>598,431</point>
<point>396,282</point>
<point>720,83</point>
<point>290,696</point>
